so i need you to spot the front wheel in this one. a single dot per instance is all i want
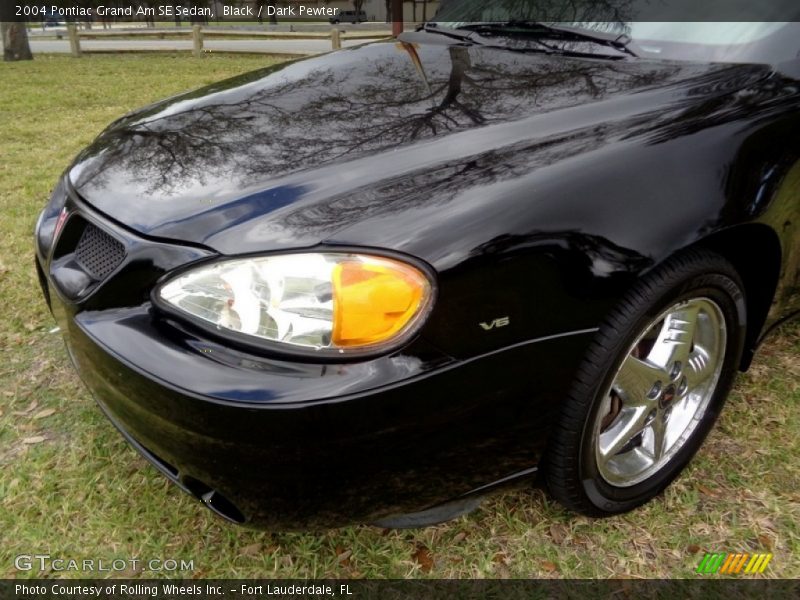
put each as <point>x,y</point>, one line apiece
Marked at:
<point>651,386</point>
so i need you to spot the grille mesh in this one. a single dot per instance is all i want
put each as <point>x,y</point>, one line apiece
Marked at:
<point>98,252</point>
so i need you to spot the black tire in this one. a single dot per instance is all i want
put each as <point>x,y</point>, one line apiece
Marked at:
<point>570,464</point>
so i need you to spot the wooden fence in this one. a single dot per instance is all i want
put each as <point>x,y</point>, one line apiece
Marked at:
<point>199,33</point>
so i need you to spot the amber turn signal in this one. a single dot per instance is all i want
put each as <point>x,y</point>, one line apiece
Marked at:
<point>376,300</point>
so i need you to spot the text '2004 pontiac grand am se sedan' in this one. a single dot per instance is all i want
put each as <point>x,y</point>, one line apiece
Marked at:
<point>374,285</point>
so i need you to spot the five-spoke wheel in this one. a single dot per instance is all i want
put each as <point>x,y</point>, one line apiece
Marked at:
<point>660,392</point>
<point>651,386</point>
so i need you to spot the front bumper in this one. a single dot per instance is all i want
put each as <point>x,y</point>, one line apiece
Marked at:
<point>288,445</point>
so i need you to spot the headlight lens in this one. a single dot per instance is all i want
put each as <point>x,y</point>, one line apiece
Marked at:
<point>324,301</point>
<point>52,217</point>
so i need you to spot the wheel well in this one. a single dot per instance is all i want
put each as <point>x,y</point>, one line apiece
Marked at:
<point>755,252</point>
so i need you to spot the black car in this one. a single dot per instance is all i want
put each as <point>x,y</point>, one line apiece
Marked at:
<point>374,285</point>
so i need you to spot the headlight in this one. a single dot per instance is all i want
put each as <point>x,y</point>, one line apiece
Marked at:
<point>325,302</point>
<point>52,218</point>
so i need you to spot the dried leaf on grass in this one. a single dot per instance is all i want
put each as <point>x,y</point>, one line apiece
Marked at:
<point>31,407</point>
<point>706,490</point>
<point>501,558</point>
<point>251,549</point>
<point>343,556</point>
<point>766,541</point>
<point>558,533</point>
<point>549,566</point>
<point>422,556</point>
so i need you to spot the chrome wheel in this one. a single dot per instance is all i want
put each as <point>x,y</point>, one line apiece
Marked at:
<point>660,392</point>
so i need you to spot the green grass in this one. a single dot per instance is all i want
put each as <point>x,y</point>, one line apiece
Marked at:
<point>70,487</point>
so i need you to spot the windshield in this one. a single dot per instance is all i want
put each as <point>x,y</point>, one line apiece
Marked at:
<point>702,40</point>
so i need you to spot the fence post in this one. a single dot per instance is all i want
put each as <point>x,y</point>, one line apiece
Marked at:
<point>197,37</point>
<point>74,40</point>
<point>336,40</point>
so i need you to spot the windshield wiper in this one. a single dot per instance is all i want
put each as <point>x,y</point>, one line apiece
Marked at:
<point>538,31</point>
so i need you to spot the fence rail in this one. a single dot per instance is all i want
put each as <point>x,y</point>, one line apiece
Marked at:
<point>198,34</point>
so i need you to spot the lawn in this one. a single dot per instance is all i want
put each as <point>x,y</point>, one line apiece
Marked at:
<point>70,487</point>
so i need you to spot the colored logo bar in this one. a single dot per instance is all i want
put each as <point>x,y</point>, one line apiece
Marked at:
<point>731,563</point>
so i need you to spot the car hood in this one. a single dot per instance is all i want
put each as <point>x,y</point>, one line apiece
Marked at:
<point>288,156</point>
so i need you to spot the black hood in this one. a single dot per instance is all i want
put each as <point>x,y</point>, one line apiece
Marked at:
<point>289,155</point>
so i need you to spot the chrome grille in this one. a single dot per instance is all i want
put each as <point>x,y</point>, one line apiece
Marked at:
<point>98,252</point>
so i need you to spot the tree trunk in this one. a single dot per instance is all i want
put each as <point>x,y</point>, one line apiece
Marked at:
<point>397,17</point>
<point>15,41</point>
